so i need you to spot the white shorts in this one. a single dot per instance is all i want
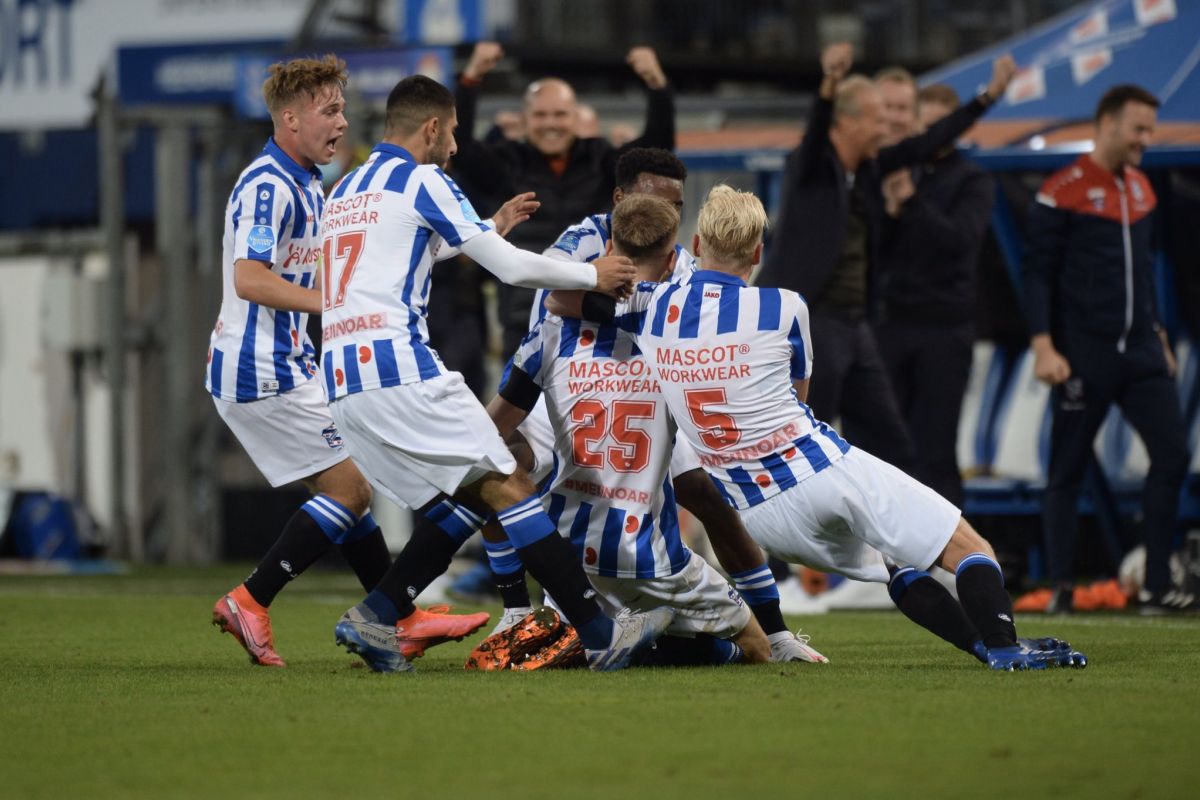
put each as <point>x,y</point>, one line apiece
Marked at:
<point>539,433</point>
<point>703,600</point>
<point>417,440</point>
<point>289,436</point>
<point>852,515</point>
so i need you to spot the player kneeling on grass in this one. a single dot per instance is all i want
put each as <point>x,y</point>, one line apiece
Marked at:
<point>644,171</point>
<point>611,494</point>
<point>734,363</point>
<point>412,426</point>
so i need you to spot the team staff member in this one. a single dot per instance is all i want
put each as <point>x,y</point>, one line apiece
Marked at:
<point>826,240</point>
<point>937,216</point>
<point>1097,339</point>
<point>572,176</point>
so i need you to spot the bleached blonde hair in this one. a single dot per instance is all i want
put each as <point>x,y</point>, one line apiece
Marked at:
<point>731,225</point>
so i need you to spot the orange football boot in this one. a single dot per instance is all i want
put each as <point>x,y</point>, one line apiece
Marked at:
<point>239,614</point>
<point>425,628</point>
<point>563,653</point>
<point>502,650</point>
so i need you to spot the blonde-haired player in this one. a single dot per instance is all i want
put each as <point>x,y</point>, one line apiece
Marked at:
<point>610,492</point>
<point>734,363</point>
<point>260,359</point>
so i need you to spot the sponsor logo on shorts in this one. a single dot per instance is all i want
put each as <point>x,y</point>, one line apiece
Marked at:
<point>332,437</point>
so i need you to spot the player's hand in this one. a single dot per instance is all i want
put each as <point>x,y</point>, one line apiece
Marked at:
<point>1003,70</point>
<point>514,212</point>
<point>1049,366</point>
<point>483,60</point>
<point>836,60</point>
<point>644,61</point>
<point>615,276</point>
<point>897,189</point>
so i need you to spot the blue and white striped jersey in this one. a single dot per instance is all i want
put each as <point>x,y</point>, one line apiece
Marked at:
<point>725,355</point>
<point>381,226</point>
<point>273,216</point>
<point>585,242</point>
<point>609,491</point>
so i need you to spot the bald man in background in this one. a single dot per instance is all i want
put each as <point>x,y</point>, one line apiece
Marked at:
<point>573,176</point>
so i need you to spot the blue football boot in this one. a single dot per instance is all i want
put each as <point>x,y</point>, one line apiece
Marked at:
<point>1062,654</point>
<point>1018,657</point>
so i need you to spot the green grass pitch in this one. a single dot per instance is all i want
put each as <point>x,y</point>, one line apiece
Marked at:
<point>118,687</point>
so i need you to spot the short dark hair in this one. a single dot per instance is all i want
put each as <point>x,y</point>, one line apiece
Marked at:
<point>939,93</point>
<point>651,160</point>
<point>1114,100</point>
<point>415,100</point>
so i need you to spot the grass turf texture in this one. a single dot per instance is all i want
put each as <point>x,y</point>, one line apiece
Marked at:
<point>118,687</point>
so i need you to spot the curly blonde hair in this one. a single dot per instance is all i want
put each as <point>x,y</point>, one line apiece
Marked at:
<point>731,225</point>
<point>288,80</point>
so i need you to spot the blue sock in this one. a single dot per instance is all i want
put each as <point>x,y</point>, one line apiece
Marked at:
<point>503,558</point>
<point>526,522</point>
<point>758,588</point>
<point>596,633</point>
<point>333,518</point>
<point>456,520</point>
<point>699,651</point>
<point>508,573</point>
<point>378,607</point>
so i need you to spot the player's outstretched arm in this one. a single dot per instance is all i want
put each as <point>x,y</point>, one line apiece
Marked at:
<point>255,282</point>
<point>611,275</point>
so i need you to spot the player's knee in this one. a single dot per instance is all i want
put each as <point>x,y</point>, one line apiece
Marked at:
<point>963,542</point>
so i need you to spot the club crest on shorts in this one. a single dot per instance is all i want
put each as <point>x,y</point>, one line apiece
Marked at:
<point>332,437</point>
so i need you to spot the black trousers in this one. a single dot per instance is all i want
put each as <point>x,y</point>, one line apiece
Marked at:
<point>1138,382</point>
<point>850,382</point>
<point>929,366</point>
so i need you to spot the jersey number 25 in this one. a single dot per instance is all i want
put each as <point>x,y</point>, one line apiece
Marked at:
<point>593,422</point>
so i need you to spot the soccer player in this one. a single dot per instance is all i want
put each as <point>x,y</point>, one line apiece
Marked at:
<point>260,360</point>
<point>734,364</point>
<point>413,427</point>
<point>645,171</point>
<point>610,493</point>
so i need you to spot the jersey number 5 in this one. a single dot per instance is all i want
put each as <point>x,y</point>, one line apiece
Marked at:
<point>717,430</point>
<point>347,247</point>
<point>631,453</point>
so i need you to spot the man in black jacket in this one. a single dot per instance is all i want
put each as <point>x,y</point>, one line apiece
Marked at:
<point>572,177</point>
<point>1097,339</point>
<point>937,215</point>
<point>826,240</point>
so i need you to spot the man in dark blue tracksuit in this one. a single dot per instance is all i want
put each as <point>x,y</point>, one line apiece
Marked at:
<point>1097,339</point>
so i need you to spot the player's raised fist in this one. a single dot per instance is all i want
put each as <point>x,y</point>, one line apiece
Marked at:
<point>615,276</point>
<point>644,61</point>
<point>483,60</point>
<point>1003,70</point>
<point>836,59</point>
